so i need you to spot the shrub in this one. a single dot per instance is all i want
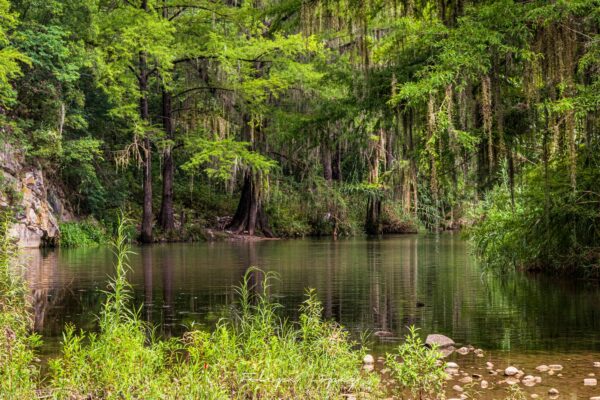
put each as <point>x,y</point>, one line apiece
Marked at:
<point>419,370</point>
<point>82,234</point>
<point>548,227</point>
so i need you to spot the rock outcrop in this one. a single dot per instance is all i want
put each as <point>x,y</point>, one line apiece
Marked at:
<point>38,205</point>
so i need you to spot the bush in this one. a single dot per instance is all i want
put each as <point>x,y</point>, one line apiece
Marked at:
<point>420,371</point>
<point>82,234</point>
<point>549,226</point>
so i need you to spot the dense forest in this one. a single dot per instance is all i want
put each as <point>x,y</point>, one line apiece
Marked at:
<point>286,118</point>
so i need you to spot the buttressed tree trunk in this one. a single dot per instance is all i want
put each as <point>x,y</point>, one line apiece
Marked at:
<point>250,216</point>
<point>166,217</point>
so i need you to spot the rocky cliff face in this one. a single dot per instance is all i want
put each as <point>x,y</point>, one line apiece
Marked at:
<point>38,204</point>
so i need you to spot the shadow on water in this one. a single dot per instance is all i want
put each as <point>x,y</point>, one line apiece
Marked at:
<point>376,285</point>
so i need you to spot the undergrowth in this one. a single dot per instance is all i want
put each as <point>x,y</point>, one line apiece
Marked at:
<point>82,234</point>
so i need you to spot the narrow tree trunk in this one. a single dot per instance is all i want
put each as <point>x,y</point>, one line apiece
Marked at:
<point>336,164</point>
<point>373,221</point>
<point>166,216</point>
<point>147,217</point>
<point>327,163</point>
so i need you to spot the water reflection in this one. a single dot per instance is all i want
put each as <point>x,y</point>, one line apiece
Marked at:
<point>368,285</point>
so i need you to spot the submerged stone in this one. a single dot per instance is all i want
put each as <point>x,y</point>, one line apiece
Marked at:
<point>553,392</point>
<point>542,368</point>
<point>511,371</point>
<point>590,382</point>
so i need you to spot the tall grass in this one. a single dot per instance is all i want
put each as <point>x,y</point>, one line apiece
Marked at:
<point>18,373</point>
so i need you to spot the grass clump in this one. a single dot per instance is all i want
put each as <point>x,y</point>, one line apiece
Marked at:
<point>18,373</point>
<point>258,355</point>
<point>419,370</point>
<point>82,234</point>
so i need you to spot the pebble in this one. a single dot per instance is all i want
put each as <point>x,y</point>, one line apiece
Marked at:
<point>591,374</point>
<point>529,380</point>
<point>452,365</point>
<point>511,371</point>
<point>542,368</point>
<point>556,367</point>
<point>457,388</point>
<point>512,380</point>
<point>484,384</point>
<point>535,396</point>
<point>463,351</point>
<point>551,372</point>
<point>590,382</point>
<point>597,364</point>
<point>595,398</point>
<point>466,379</point>
<point>489,365</point>
<point>368,359</point>
<point>553,392</point>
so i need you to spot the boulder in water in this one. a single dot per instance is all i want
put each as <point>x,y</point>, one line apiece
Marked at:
<point>438,340</point>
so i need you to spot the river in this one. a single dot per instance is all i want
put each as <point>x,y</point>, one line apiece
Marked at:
<point>368,285</point>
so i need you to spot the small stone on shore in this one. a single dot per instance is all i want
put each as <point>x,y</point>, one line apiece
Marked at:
<point>368,359</point>
<point>484,384</point>
<point>511,371</point>
<point>553,392</point>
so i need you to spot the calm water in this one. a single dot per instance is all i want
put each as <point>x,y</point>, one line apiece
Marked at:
<point>368,285</point>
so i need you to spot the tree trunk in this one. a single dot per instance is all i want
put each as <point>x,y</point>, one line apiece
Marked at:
<point>336,165</point>
<point>250,216</point>
<point>147,217</point>
<point>373,222</point>
<point>166,217</point>
<point>327,163</point>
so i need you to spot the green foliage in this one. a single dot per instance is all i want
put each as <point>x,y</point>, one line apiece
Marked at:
<point>11,59</point>
<point>419,370</point>
<point>547,228</point>
<point>82,234</point>
<point>221,158</point>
